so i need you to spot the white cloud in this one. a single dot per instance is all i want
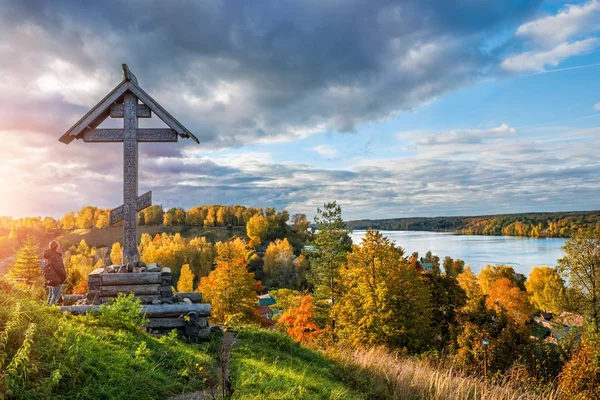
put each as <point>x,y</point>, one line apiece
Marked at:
<point>325,150</point>
<point>537,60</point>
<point>568,22</point>
<point>597,106</point>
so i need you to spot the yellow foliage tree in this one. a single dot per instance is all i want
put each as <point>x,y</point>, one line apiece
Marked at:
<point>468,282</point>
<point>504,294</point>
<point>383,300</point>
<point>491,273</point>
<point>186,279</point>
<point>256,228</point>
<point>116,254</point>
<point>230,288</point>
<point>546,289</point>
<point>279,267</point>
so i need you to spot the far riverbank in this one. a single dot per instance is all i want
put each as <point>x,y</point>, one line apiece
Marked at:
<point>522,253</point>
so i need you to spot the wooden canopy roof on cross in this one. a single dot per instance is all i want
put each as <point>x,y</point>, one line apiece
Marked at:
<point>112,106</point>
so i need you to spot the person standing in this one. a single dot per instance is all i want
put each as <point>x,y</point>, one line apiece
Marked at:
<point>54,272</point>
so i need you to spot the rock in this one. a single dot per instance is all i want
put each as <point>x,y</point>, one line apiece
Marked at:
<point>165,270</point>
<point>143,269</point>
<point>156,302</point>
<point>136,270</point>
<point>187,300</point>
<point>154,267</point>
<point>140,264</point>
<point>167,300</point>
<point>130,267</point>
<point>122,269</point>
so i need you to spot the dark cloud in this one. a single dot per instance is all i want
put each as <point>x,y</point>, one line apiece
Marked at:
<point>238,72</point>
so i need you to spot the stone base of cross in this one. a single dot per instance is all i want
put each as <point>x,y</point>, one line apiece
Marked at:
<point>124,102</point>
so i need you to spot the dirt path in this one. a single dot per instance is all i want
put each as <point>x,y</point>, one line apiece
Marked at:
<point>224,390</point>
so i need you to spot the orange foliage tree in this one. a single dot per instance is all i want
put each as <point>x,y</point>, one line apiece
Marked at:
<point>299,323</point>
<point>505,294</point>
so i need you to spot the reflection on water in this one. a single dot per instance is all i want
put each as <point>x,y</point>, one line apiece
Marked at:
<point>522,253</point>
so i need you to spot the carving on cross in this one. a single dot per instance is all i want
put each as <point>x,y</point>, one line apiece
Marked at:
<point>124,102</point>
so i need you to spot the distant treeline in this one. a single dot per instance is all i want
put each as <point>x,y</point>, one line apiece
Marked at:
<point>556,224</point>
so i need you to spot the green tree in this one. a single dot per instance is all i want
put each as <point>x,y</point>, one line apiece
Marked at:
<point>332,243</point>
<point>27,263</point>
<point>383,300</point>
<point>581,267</point>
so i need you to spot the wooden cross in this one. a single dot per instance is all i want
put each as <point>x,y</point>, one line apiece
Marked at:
<point>123,102</point>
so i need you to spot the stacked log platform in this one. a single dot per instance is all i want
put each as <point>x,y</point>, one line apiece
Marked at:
<point>149,287</point>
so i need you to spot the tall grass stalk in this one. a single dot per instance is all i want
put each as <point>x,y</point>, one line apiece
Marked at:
<point>399,377</point>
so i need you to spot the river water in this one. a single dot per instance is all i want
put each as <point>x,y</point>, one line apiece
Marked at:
<point>520,252</point>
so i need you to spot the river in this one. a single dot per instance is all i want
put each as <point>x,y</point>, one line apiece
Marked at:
<point>520,252</point>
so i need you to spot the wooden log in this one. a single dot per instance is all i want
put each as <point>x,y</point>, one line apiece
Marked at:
<point>141,278</point>
<point>194,331</point>
<point>151,310</point>
<point>195,297</point>
<point>70,299</point>
<point>112,291</point>
<point>93,297</point>
<point>166,323</point>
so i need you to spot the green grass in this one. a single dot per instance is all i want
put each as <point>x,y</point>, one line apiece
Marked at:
<point>45,354</point>
<point>269,365</point>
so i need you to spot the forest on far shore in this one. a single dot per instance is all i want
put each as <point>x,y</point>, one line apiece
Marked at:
<point>551,224</point>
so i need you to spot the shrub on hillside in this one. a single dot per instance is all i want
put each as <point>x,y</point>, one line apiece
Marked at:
<point>124,312</point>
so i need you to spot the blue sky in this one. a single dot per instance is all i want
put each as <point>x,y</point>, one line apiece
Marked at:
<point>393,108</point>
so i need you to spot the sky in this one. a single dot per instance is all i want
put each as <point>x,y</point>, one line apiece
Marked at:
<point>392,108</point>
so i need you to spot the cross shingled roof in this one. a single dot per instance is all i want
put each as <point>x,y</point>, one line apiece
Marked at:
<point>101,111</point>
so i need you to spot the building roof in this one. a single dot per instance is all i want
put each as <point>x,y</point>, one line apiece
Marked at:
<point>266,300</point>
<point>262,310</point>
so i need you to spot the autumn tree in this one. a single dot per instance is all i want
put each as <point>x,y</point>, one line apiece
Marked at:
<point>434,260</point>
<point>256,229</point>
<point>27,263</point>
<point>546,289</point>
<point>279,267</point>
<point>504,294</point>
<point>468,282</point>
<point>299,321</point>
<point>300,225</point>
<point>116,254</point>
<point>383,300</point>
<point>186,279</point>
<point>491,273</point>
<point>230,288</point>
<point>332,243</point>
<point>581,267</point>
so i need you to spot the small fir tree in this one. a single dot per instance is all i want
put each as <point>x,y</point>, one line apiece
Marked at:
<point>186,279</point>
<point>27,264</point>
<point>116,254</point>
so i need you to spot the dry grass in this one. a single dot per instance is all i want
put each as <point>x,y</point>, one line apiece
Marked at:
<point>397,377</point>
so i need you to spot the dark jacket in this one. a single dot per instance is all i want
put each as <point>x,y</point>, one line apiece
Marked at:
<point>54,270</point>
